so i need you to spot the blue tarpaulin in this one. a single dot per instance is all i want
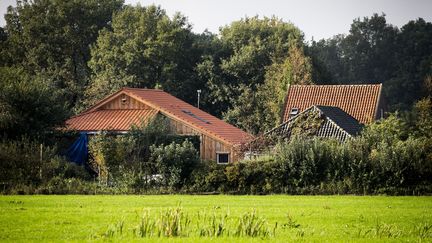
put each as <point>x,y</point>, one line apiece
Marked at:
<point>78,152</point>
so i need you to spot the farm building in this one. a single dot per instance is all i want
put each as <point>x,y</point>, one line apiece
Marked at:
<point>330,111</point>
<point>363,102</point>
<point>321,121</point>
<point>128,106</point>
<point>337,111</point>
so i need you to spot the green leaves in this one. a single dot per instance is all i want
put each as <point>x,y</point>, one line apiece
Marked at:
<point>144,48</point>
<point>175,162</point>
<point>29,105</point>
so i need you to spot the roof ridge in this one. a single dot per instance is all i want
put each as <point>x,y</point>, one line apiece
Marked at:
<point>332,85</point>
<point>144,89</point>
<point>171,113</point>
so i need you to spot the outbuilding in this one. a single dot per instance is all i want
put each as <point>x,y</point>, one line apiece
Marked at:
<point>119,111</point>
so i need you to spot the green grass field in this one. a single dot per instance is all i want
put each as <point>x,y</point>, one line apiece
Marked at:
<point>311,218</point>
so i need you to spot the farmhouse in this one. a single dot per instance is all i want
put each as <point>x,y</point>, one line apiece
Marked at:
<point>363,102</point>
<point>321,121</point>
<point>337,111</point>
<point>128,106</point>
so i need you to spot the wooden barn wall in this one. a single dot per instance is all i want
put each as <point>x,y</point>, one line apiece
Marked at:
<point>209,146</point>
<point>130,103</point>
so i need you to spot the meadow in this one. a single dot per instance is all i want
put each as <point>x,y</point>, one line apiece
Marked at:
<point>215,218</point>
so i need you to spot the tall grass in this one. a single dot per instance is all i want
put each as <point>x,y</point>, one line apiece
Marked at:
<point>252,225</point>
<point>215,225</point>
<point>174,222</point>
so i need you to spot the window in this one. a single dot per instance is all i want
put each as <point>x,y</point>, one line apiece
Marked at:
<point>222,158</point>
<point>195,116</point>
<point>294,111</point>
<point>124,100</point>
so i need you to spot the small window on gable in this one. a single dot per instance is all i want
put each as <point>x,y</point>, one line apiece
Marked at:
<point>124,100</point>
<point>222,158</point>
<point>294,111</point>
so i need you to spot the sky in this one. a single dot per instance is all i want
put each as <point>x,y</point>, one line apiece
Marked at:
<point>316,18</point>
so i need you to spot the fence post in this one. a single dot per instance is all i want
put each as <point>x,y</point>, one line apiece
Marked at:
<point>41,158</point>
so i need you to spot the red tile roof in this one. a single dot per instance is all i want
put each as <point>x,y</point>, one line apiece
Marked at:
<point>360,101</point>
<point>171,107</point>
<point>112,120</point>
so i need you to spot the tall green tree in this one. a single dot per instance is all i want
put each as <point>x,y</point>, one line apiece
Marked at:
<point>29,106</point>
<point>259,110</point>
<point>51,38</point>
<point>295,69</point>
<point>246,48</point>
<point>144,48</point>
<point>414,64</point>
<point>377,52</point>
<point>369,50</point>
<point>234,73</point>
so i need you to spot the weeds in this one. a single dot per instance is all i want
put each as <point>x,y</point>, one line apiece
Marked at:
<point>424,230</point>
<point>213,226</point>
<point>146,227</point>
<point>380,230</point>
<point>174,222</point>
<point>250,224</point>
<point>385,231</point>
<point>112,231</point>
<point>291,224</point>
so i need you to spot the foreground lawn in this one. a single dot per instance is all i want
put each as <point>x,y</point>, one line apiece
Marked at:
<point>307,218</point>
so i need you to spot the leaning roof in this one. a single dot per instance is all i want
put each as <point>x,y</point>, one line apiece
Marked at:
<point>360,101</point>
<point>170,106</point>
<point>337,123</point>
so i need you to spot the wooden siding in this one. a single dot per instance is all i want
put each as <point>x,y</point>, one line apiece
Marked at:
<point>208,146</point>
<point>129,103</point>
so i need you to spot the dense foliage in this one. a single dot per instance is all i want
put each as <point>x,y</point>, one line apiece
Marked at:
<point>377,52</point>
<point>59,57</point>
<point>391,156</point>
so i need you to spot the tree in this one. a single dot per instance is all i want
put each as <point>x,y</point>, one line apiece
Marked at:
<point>3,54</point>
<point>369,49</point>
<point>246,112</point>
<point>414,64</point>
<point>377,52</point>
<point>326,57</point>
<point>29,105</point>
<point>247,47</point>
<point>51,38</point>
<point>143,49</point>
<point>295,69</point>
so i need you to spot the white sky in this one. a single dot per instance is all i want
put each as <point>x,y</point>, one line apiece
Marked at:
<point>316,18</point>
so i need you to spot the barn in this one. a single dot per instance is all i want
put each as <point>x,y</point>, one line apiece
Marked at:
<point>120,110</point>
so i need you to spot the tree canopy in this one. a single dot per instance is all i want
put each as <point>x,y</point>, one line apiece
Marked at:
<point>76,52</point>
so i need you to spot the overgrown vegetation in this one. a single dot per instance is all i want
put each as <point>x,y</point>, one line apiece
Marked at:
<point>174,222</point>
<point>391,156</point>
<point>59,57</point>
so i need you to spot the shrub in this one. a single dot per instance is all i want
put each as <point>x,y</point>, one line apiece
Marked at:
<point>175,162</point>
<point>110,154</point>
<point>26,162</point>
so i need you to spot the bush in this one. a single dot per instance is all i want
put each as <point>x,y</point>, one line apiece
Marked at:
<point>26,162</point>
<point>110,154</point>
<point>175,162</point>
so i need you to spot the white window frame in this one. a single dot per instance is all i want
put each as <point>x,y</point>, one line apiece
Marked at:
<point>217,158</point>
<point>294,111</point>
